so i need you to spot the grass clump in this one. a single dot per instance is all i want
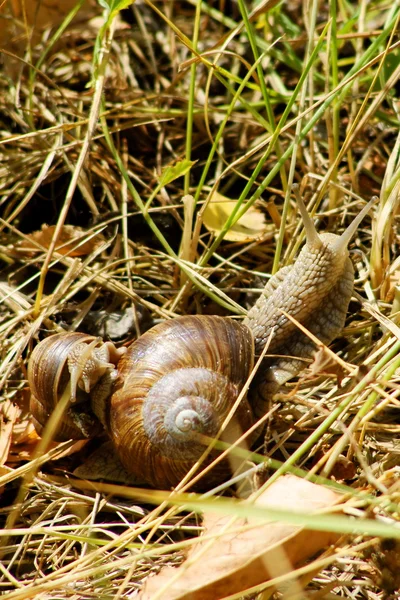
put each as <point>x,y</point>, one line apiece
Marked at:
<point>109,116</point>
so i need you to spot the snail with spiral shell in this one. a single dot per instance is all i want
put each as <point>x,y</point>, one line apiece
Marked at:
<point>162,400</point>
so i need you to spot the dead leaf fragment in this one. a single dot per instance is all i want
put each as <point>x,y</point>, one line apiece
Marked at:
<point>18,16</point>
<point>324,364</point>
<point>243,554</point>
<point>249,227</point>
<point>9,413</point>
<point>343,469</point>
<point>104,464</point>
<point>43,13</point>
<point>71,241</point>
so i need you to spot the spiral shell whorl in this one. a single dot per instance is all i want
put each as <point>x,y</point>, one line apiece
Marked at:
<point>172,392</point>
<point>183,420</point>
<point>184,404</point>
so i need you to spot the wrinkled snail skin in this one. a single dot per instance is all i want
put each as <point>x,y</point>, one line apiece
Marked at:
<point>315,291</point>
<point>174,387</point>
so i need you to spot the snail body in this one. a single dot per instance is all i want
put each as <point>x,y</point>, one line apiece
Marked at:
<point>164,399</point>
<point>315,291</point>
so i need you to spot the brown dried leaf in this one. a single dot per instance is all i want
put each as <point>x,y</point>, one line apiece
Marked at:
<point>104,464</point>
<point>25,448</point>
<point>344,469</point>
<point>42,13</point>
<point>9,413</point>
<point>24,432</point>
<point>325,364</point>
<point>4,471</point>
<point>241,555</point>
<point>68,241</point>
<point>17,16</point>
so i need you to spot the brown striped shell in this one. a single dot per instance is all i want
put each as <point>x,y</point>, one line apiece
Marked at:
<point>175,387</point>
<point>49,375</point>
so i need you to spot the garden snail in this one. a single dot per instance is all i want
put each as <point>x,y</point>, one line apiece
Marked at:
<point>79,360</point>
<point>175,385</point>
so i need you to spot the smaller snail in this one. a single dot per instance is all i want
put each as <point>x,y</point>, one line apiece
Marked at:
<point>79,361</point>
<point>162,400</point>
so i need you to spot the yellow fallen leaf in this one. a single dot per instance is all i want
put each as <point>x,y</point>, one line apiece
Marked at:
<point>249,227</point>
<point>239,554</point>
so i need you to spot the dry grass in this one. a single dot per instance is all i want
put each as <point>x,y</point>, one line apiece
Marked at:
<point>67,538</point>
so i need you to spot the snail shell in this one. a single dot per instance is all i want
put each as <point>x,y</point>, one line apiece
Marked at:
<point>176,384</point>
<point>69,359</point>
